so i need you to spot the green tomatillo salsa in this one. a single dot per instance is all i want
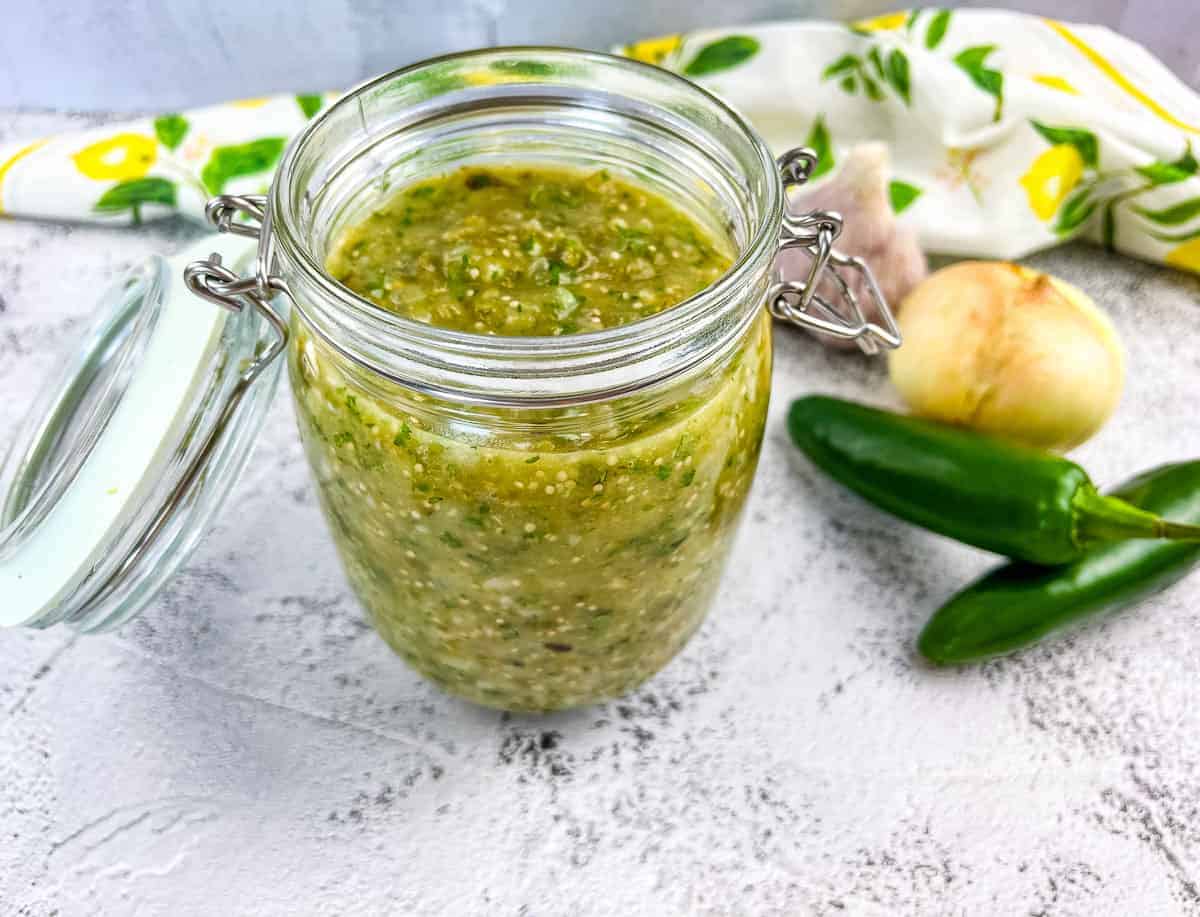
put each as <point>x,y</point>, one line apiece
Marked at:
<point>527,251</point>
<point>532,559</point>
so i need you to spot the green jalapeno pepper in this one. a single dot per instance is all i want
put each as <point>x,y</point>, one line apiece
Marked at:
<point>1016,604</point>
<point>1002,497</point>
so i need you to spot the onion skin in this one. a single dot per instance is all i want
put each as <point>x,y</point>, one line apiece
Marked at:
<point>1008,351</point>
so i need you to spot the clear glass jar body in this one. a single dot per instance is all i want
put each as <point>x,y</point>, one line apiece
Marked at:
<point>533,523</point>
<point>524,568</point>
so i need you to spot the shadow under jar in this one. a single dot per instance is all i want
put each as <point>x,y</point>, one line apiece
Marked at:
<point>533,523</point>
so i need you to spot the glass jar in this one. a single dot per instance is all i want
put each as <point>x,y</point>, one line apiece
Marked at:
<point>533,523</point>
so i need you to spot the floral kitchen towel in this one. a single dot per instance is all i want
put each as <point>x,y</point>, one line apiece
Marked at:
<point>150,167</point>
<point>1008,133</point>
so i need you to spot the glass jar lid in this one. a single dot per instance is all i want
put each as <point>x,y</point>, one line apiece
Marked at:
<point>131,445</point>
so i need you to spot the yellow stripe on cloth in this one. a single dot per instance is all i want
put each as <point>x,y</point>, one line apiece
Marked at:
<point>1055,82</point>
<point>12,161</point>
<point>1102,64</point>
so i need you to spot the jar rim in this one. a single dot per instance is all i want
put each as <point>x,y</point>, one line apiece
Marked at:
<point>518,354</point>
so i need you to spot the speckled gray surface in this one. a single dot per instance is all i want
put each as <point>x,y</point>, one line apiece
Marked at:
<point>248,746</point>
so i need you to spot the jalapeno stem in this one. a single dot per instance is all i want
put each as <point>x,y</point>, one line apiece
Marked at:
<point>1100,519</point>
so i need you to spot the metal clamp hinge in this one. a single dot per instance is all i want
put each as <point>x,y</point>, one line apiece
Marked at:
<point>802,302</point>
<point>211,280</point>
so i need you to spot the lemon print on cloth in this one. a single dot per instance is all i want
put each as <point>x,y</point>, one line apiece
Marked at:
<point>118,158</point>
<point>12,160</point>
<point>1186,256</point>
<point>883,23</point>
<point>654,50</point>
<point>1051,177</point>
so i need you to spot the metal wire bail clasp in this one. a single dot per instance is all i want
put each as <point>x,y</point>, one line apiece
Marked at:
<point>806,303</point>
<point>212,280</point>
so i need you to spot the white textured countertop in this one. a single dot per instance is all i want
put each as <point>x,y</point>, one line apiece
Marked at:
<point>248,746</point>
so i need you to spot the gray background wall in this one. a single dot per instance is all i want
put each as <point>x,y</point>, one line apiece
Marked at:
<point>146,54</point>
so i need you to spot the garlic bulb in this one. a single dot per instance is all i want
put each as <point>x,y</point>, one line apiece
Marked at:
<point>859,192</point>
<point>1009,351</point>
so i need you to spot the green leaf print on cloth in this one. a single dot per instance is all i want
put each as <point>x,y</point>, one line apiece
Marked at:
<point>722,54</point>
<point>229,162</point>
<point>885,65</point>
<point>1077,210</point>
<point>937,29</point>
<point>818,141</point>
<point>901,195</point>
<point>972,62</point>
<point>133,194</point>
<point>1175,215</point>
<point>170,130</point>
<point>1186,236</point>
<point>310,103</point>
<point>872,71</point>
<point>1168,173</point>
<point>897,73</point>
<point>1083,141</point>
